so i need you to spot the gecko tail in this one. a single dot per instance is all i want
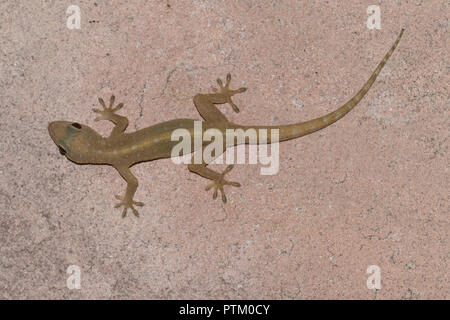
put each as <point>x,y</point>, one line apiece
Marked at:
<point>297,130</point>
<point>300,129</point>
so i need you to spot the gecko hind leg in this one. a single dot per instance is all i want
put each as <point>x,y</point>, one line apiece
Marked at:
<point>218,179</point>
<point>220,182</point>
<point>205,102</point>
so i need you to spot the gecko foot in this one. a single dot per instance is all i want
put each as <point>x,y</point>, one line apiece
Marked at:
<point>107,112</point>
<point>128,204</point>
<point>220,182</point>
<point>227,92</point>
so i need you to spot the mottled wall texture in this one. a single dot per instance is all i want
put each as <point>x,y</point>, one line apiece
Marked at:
<point>370,190</point>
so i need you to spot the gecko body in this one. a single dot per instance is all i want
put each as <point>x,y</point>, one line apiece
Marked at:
<point>83,145</point>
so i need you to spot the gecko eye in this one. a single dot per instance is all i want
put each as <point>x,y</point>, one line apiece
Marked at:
<point>76,125</point>
<point>62,151</point>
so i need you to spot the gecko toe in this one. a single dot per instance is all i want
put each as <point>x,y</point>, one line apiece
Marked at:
<point>233,183</point>
<point>233,105</point>
<point>138,203</point>
<point>240,90</point>
<point>224,197</point>
<point>228,80</point>
<point>135,212</point>
<point>102,102</point>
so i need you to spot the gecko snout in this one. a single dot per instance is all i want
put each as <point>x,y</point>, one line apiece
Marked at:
<point>56,129</point>
<point>58,132</point>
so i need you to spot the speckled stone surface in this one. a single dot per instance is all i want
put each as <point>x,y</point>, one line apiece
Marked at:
<point>371,189</point>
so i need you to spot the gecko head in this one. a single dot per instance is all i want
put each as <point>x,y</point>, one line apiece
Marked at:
<point>75,141</point>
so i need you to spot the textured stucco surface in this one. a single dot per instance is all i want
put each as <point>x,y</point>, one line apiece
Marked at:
<point>370,190</point>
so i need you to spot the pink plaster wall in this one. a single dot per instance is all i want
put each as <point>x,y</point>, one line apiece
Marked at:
<point>370,190</point>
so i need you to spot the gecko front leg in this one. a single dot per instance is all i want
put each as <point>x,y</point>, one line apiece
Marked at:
<point>127,201</point>
<point>109,113</point>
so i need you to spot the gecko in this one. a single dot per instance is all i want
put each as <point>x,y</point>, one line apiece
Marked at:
<point>83,145</point>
